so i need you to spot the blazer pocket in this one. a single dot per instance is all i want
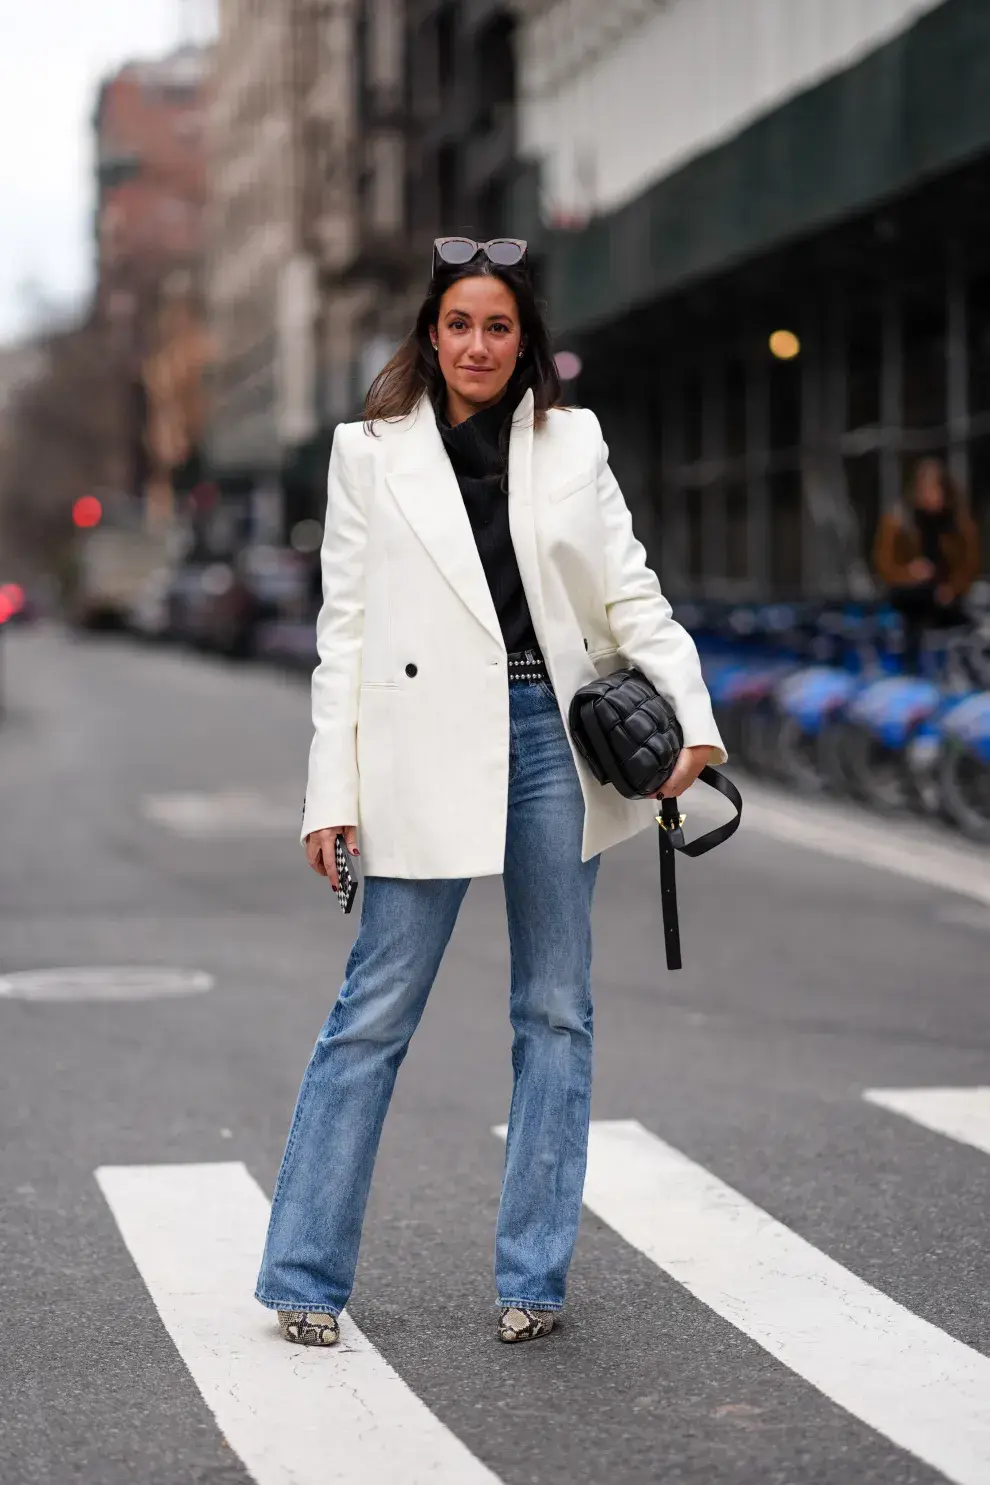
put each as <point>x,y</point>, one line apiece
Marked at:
<point>605,661</point>
<point>571,486</point>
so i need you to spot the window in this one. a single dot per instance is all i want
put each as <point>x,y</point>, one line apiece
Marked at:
<point>497,63</point>
<point>925,366</point>
<point>446,50</point>
<point>735,409</point>
<point>447,166</point>
<point>694,419</point>
<point>864,348</point>
<point>978,316</point>
<point>785,404</point>
<point>863,482</point>
<point>785,533</point>
<point>695,536</point>
<point>737,532</point>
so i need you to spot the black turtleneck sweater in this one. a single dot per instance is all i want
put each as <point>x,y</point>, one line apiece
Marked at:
<point>480,465</point>
<point>932,525</point>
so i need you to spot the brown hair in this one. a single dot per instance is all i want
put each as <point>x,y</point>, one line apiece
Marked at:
<point>414,369</point>
<point>955,504</point>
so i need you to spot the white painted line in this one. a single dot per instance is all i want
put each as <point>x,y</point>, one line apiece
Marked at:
<point>961,1113</point>
<point>903,1377</point>
<point>891,845</point>
<point>231,814</point>
<point>106,982</point>
<point>962,913</point>
<point>295,1415</point>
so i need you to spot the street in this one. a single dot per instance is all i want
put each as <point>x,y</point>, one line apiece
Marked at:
<point>783,1273</point>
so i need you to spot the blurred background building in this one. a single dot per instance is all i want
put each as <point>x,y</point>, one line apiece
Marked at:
<point>763,225</point>
<point>150,202</point>
<point>758,224</point>
<point>305,234</point>
<point>343,137</point>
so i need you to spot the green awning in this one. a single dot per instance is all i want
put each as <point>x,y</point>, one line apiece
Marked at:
<point>909,111</point>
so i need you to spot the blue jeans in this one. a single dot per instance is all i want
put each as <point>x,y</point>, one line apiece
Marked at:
<point>322,1188</point>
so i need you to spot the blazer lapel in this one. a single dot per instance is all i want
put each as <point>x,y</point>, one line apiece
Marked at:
<point>522,524</point>
<point>424,485</point>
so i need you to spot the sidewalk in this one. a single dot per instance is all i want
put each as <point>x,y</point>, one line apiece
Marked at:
<point>920,849</point>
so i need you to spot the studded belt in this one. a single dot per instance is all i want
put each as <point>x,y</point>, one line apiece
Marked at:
<point>527,665</point>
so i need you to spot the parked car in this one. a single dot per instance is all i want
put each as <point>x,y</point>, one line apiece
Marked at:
<point>148,614</point>
<point>114,562</point>
<point>220,605</point>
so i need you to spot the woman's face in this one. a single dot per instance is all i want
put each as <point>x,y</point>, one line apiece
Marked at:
<point>929,491</point>
<point>477,338</point>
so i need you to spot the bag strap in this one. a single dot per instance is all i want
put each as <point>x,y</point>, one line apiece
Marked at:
<point>671,839</point>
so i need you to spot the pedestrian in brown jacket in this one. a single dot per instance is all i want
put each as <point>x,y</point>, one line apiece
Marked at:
<point>928,554</point>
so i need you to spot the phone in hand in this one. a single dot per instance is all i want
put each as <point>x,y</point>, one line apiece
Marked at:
<point>347,882</point>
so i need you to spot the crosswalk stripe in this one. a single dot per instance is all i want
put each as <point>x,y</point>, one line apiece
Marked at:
<point>905,1378</point>
<point>295,1415</point>
<point>961,1113</point>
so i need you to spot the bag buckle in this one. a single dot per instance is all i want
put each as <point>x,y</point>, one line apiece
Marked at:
<point>671,822</point>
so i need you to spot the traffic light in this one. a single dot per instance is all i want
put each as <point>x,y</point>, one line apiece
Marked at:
<point>87,511</point>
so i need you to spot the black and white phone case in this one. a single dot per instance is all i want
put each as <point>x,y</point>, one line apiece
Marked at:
<point>347,883</point>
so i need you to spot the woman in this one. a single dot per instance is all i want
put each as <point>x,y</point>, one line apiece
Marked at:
<point>479,565</point>
<point>928,553</point>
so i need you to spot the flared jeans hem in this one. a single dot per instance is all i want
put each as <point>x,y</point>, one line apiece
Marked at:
<point>296,1305</point>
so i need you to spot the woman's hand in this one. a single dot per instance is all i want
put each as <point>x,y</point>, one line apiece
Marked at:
<point>688,767</point>
<point>921,570</point>
<point>320,852</point>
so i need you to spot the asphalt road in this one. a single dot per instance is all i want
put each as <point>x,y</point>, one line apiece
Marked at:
<point>148,817</point>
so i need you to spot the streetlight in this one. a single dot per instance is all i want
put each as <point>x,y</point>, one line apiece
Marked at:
<point>785,345</point>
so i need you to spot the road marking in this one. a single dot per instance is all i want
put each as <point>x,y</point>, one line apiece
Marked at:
<point>961,1113</point>
<point>108,982</point>
<point>294,1415</point>
<point>964,915</point>
<point>231,814</point>
<point>891,845</point>
<point>903,1377</point>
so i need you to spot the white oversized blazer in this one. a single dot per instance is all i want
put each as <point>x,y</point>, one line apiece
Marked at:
<point>410,697</point>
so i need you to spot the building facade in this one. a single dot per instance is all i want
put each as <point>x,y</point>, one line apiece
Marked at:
<point>151,191</point>
<point>174,375</point>
<point>462,100</point>
<point>307,248</point>
<point>251,232</point>
<point>761,222</point>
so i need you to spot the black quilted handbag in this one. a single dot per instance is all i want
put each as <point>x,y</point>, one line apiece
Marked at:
<point>630,738</point>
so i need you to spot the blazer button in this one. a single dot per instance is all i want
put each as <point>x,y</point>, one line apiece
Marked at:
<point>412,670</point>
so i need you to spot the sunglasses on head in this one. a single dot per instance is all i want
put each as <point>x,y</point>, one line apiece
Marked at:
<point>504,252</point>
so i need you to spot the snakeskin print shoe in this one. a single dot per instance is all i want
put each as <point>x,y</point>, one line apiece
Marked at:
<point>309,1327</point>
<point>516,1324</point>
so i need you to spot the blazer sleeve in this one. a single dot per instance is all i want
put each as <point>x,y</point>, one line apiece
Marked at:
<point>641,621</point>
<point>332,786</point>
<point>966,569</point>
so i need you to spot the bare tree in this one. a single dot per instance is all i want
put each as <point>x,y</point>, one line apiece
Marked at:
<point>64,437</point>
